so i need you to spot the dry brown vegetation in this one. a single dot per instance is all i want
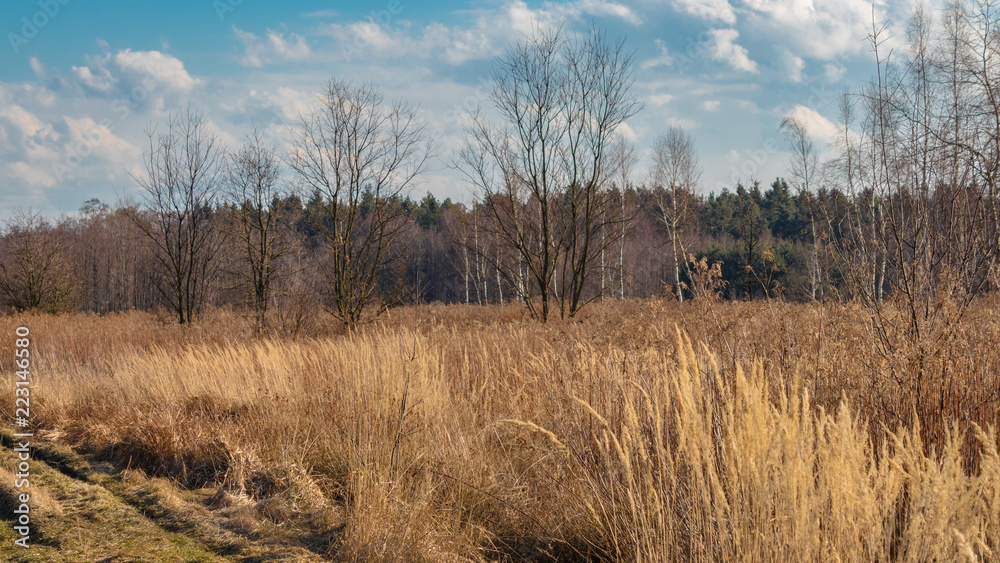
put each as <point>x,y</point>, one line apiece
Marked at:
<point>646,431</point>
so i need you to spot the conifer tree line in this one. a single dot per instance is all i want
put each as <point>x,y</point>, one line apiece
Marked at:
<point>906,208</point>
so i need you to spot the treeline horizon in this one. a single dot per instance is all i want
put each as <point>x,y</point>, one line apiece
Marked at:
<point>100,261</point>
<point>443,234</point>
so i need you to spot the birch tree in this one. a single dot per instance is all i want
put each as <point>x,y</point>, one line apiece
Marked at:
<point>804,168</point>
<point>675,175</point>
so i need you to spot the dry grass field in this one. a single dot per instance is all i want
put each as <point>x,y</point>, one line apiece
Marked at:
<point>643,431</point>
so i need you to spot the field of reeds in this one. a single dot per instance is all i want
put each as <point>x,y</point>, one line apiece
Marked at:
<point>642,431</point>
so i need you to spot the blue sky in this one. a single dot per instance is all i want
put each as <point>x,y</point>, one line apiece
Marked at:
<point>80,82</point>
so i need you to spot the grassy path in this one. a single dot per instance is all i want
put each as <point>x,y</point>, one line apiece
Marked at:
<point>90,511</point>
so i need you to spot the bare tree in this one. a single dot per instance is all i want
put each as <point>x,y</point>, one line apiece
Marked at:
<point>112,259</point>
<point>804,168</point>
<point>925,210</point>
<point>545,169</point>
<point>863,228</point>
<point>675,176</point>
<point>625,159</point>
<point>34,272</point>
<point>181,187</point>
<point>931,131</point>
<point>253,184</point>
<point>359,156</point>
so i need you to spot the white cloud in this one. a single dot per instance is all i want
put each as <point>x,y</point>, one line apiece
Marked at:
<point>33,176</point>
<point>821,29</point>
<point>833,72</point>
<point>723,47</point>
<point>790,64</point>
<point>71,135</point>
<point>101,82</point>
<point>612,9</point>
<point>492,30</point>
<point>168,71</point>
<point>816,126</point>
<point>663,60</point>
<point>27,123</point>
<point>719,10</point>
<point>458,46</point>
<point>520,17</point>
<point>144,81</point>
<point>292,102</point>
<point>38,68</point>
<point>41,150</point>
<point>272,48</point>
<point>626,131</point>
<point>86,135</point>
<point>410,60</point>
<point>374,35</point>
<point>660,99</point>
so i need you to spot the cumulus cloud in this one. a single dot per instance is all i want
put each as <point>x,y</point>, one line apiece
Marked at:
<point>168,71</point>
<point>713,10</point>
<point>272,48</point>
<point>722,47</point>
<point>30,174</point>
<point>790,64</point>
<point>145,79</point>
<point>38,68</point>
<point>821,29</point>
<point>41,151</point>
<point>275,110</point>
<point>26,123</point>
<point>41,121</point>
<point>660,99</point>
<point>833,72</point>
<point>492,30</point>
<point>80,129</point>
<point>26,140</point>
<point>100,82</point>
<point>816,126</point>
<point>290,102</point>
<point>664,59</point>
<point>609,9</point>
<point>88,136</point>
<point>626,131</point>
<point>485,38</point>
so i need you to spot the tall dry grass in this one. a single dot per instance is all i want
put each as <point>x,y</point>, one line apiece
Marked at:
<point>466,433</point>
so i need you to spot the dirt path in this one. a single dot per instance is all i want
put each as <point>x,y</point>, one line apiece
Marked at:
<point>83,510</point>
